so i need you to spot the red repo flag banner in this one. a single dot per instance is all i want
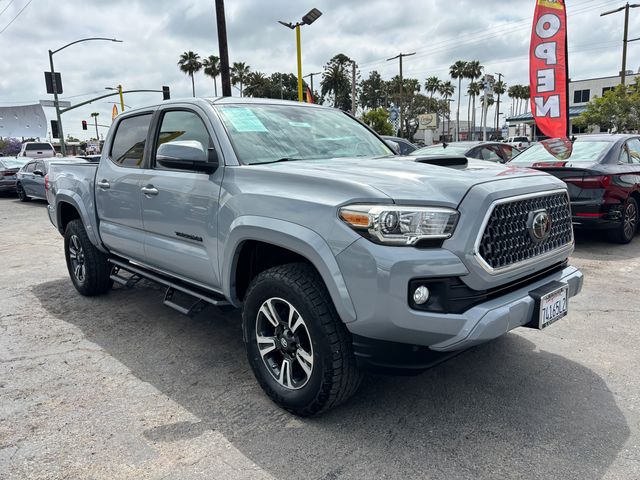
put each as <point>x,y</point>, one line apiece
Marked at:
<point>548,72</point>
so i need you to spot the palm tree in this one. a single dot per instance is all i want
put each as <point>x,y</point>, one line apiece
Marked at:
<point>334,81</point>
<point>432,85</point>
<point>513,93</point>
<point>211,66</point>
<point>257,85</point>
<point>475,89</point>
<point>526,95</point>
<point>447,90</point>
<point>473,73</point>
<point>457,72</point>
<point>190,64</point>
<point>239,73</point>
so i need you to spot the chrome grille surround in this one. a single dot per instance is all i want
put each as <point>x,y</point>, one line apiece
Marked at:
<point>504,243</point>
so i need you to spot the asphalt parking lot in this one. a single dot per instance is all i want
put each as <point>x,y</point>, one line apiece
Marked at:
<point>122,387</point>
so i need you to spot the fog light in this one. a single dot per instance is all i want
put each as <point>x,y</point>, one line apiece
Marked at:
<point>421,295</point>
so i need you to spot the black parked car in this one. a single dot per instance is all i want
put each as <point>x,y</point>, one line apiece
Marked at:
<point>31,182</point>
<point>490,151</point>
<point>603,176</point>
<point>406,147</point>
<point>9,167</point>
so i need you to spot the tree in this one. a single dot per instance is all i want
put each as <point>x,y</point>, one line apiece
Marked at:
<point>72,139</point>
<point>239,73</point>
<point>474,90</point>
<point>336,83</point>
<point>499,88</point>
<point>373,91</point>
<point>513,92</point>
<point>447,90</point>
<point>211,66</point>
<point>10,147</point>
<point>190,64</point>
<point>474,72</point>
<point>432,86</point>
<point>617,111</point>
<point>412,105</point>
<point>458,71</point>
<point>257,85</point>
<point>378,119</point>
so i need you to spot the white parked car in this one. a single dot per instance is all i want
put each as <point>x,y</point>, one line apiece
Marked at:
<point>37,150</point>
<point>521,143</point>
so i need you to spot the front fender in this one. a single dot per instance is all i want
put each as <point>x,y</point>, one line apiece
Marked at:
<point>291,236</point>
<point>88,219</point>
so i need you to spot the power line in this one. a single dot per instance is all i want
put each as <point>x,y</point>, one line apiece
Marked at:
<point>14,18</point>
<point>5,8</point>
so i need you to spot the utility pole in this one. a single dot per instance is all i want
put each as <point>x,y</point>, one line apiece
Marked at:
<point>311,75</point>
<point>95,118</point>
<point>353,87</point>
<point>498,104</point>
<point>225,75</point>
<point>625,40</point>
<point>63,147</point>
<point>400,56</point>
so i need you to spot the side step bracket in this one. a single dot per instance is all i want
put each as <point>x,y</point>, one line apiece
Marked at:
<point>190,310</point>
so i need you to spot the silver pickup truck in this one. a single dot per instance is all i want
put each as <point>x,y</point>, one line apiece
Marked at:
<point>342,255</point>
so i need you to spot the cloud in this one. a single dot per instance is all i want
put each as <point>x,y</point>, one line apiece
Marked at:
<point>156,32</point>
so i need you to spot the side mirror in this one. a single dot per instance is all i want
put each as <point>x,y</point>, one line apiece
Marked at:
<point>393,146</point>
<point>187,155</point>
<point>39,173</point>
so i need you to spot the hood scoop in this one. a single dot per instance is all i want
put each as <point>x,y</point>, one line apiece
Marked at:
<point>452,161</point>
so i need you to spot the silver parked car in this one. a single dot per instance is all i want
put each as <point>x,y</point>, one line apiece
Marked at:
<point>31,180</point>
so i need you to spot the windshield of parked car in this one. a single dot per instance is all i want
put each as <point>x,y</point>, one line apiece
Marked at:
<point>271,133</point>
<point>582,152</point>
<point>38,146</point>
<point>441,150</point>
<point>12,162</point>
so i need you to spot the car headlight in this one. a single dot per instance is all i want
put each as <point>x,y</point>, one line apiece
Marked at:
<point>399,225</point>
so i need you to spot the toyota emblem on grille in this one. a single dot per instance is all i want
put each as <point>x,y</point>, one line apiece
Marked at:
<point>539,225</point>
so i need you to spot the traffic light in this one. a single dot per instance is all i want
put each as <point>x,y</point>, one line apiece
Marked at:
<point>54,129</point>
<point>84,124</point>
<point>166,94</point>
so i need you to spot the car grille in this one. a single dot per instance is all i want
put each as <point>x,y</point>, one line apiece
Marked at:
<point>506,240</point>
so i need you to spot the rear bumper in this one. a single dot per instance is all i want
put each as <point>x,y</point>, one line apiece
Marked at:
<point>595,215</point>
<point>8,186</point>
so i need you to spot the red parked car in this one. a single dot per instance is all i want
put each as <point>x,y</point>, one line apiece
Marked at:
<point>603,176</point>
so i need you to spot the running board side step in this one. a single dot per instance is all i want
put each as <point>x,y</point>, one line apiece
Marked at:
<point>200,296</point>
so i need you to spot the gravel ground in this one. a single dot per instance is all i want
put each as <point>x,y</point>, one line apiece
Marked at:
<point>122,387</point>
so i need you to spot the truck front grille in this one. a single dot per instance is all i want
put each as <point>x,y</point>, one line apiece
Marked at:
<point>507,241</point>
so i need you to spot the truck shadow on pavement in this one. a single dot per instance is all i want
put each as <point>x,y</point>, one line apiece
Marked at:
<point>502,410</point>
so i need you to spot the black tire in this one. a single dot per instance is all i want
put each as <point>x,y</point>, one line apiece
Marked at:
<point>334,376</point>
<point>87,266</point>
<point>22,195</point>
<point>628,227</point>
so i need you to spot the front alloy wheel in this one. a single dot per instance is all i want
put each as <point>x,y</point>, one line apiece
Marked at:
<point>284,343</point>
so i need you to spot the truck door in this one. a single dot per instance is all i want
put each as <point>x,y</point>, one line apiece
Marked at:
<point>180,204</point>
<point>117,188</point>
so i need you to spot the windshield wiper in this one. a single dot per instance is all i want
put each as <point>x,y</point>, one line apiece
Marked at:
<point>285,159</point>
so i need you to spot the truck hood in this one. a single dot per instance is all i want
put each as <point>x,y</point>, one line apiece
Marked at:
<point>402,178</point>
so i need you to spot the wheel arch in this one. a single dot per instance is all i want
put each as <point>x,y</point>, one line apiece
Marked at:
<point>283,242</point>
<point>69,206</point>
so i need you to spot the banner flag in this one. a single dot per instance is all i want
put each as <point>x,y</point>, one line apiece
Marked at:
<point>548,68</point>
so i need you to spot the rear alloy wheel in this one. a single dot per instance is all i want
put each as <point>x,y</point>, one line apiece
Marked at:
<point>298,347</point>
<point>628,227</point>
<point>22,195</point>
<point>88,267</point>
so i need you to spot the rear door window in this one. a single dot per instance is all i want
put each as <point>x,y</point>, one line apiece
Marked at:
<point>633,146</point>
<point>30,167</point>
<point>127,149</point>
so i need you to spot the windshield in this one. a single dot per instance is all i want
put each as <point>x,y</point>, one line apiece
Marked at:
<point>582,152</point>
<point>269,133</point>
<point>441,150</point>
<point>38,146</point>
<point>12,162</point>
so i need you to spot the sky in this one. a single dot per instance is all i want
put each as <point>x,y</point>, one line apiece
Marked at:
<point>156,32</point>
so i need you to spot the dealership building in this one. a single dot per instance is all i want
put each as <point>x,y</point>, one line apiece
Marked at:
<point>580,93</point>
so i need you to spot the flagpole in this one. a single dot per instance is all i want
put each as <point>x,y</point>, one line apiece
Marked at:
<point>566,63</point>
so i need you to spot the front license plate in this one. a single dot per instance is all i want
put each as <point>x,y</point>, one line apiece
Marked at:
<point>553,306</point>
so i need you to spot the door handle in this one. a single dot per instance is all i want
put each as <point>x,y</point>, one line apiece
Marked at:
<point>149,190</point>
<point>103,184</point>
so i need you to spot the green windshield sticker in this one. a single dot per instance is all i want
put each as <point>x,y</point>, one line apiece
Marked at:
<point>243,120</point>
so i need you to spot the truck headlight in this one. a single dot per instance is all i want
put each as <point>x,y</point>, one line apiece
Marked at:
<point>399,225</point>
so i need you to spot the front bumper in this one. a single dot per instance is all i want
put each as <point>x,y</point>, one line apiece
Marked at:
<point>378,277</point>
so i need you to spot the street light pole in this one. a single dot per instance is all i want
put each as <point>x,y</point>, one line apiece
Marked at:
<point>308,19</point>
<point>400,56</point>
<point>225,75</point>
<point>498,103</point>
<point>95,117</point>
<point>625,40</point>
<point>63,147</point>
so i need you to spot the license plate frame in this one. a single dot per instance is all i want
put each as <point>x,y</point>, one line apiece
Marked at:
<point>551,304</point>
